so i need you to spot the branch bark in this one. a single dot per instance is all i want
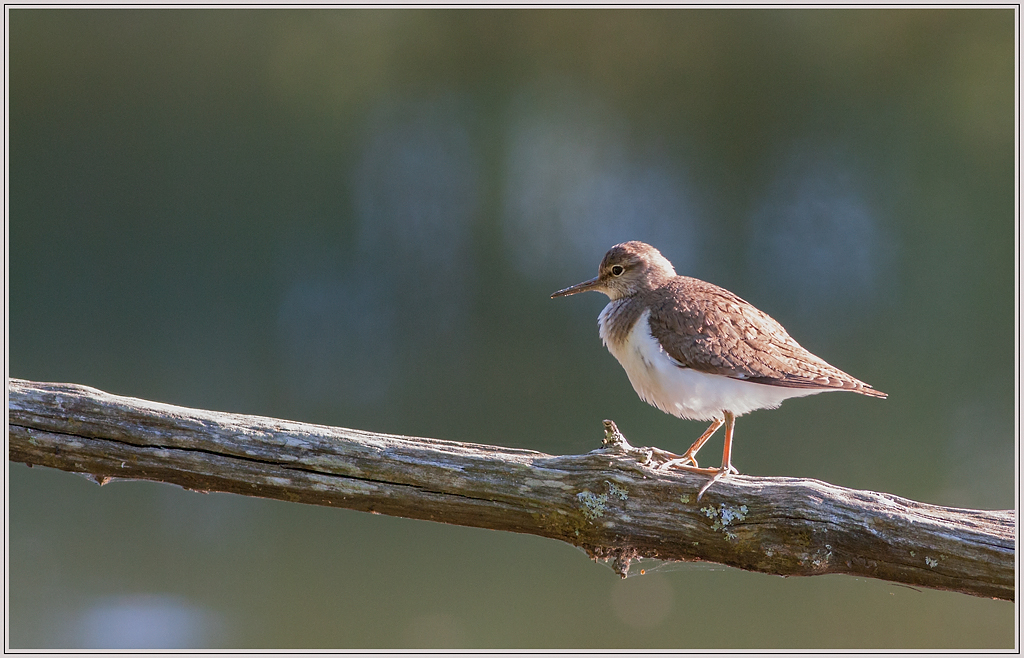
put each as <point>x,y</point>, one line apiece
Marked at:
<point>612,502</point>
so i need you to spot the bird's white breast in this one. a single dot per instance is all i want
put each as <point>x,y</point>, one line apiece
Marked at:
<point>684,392</point>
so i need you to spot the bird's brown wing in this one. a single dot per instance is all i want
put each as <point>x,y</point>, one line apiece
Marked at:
<point>708,328</point>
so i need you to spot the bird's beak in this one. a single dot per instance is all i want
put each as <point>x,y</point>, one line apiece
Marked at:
<point>592,284</point>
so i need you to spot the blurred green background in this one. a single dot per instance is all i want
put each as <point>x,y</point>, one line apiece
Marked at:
<point>355,217</point>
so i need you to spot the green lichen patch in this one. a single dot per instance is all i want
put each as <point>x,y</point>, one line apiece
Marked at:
<point>724,515</point>
<point>615,490</point>
<point>594,505</point>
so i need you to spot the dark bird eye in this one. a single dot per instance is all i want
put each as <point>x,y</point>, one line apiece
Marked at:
<point>617,270</point>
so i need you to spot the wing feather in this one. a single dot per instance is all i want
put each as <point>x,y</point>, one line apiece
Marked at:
<point>712,330</point>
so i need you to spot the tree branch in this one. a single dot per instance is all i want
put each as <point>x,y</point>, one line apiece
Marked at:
<point>612,502</point>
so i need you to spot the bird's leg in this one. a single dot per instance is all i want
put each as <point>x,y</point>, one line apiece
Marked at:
<point>730,426</point>
<point>691,453</point>
<point>727,467</point>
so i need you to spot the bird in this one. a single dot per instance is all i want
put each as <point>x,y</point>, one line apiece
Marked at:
<point>699,352</point>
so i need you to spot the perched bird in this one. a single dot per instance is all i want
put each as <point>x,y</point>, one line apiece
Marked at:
<point>698,351</point>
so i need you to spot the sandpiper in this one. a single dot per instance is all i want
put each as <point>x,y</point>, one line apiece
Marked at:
<point>698,351</point>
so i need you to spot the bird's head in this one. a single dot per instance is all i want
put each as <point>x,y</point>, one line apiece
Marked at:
<point>626,269</point>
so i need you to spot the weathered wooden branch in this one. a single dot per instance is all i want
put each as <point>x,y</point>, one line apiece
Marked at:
<point>613,502</point>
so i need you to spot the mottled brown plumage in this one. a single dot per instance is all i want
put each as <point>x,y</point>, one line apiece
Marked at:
<point>708,328</point>
<point>712,330</point>
<point>696,350</point>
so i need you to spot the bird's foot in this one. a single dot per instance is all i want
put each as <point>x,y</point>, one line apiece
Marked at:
<point>691,469</point>
<point>718,475</point>
<point>662,456</point>
<point>681,462</point>
<point>715,473</point>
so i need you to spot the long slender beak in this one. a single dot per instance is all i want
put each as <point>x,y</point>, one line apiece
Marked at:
<point>591,284</point>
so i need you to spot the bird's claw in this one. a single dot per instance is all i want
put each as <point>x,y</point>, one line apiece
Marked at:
<point>722,472</point>
<point>680,461</point>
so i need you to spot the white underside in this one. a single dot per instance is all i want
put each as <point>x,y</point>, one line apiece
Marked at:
<point>661,381</point>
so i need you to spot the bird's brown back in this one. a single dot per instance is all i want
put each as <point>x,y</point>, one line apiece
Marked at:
<point>710,329</point>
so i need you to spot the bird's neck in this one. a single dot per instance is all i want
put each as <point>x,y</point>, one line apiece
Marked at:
<point>618,317</point>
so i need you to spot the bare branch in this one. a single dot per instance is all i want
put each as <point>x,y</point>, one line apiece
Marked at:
<point>613,502</point>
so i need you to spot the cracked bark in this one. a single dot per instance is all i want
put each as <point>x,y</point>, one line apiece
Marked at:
<point>612,502</point>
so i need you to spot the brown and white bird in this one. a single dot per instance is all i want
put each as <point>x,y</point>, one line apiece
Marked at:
<point>698,351</point>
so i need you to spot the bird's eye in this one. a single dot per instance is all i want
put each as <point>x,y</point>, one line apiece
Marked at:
<point>617,270</point>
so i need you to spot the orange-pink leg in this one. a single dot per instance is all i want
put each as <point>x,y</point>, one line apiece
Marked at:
<point>716,473</point>
<point>691,453</point>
